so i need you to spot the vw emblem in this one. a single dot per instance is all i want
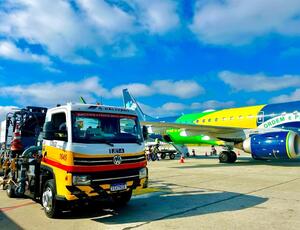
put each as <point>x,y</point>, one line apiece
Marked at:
<point>117,160</point>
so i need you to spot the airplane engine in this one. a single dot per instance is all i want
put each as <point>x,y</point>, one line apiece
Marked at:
<point>274,145</point>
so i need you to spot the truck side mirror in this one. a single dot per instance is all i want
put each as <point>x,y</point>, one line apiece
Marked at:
<point>145,132</point>
<point>49,131</point>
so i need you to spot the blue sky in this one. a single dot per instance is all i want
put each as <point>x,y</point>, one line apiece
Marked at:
<point>174,56</point>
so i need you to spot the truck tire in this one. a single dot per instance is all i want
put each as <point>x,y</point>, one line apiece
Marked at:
<point>172,156</point>
<point>49,203</point>
<point>10,191</point>
<point>121,199</point>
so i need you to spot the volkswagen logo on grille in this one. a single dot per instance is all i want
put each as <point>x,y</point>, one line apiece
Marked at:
<point>117,160</point>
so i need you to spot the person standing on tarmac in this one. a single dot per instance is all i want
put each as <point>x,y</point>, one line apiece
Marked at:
<point>155,149</point>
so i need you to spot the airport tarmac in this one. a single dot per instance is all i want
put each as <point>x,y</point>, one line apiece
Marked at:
<point>197,194</point>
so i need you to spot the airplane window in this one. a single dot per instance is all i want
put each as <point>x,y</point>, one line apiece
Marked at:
<point>283,114</point>
<point>224,118</point>
<point>231,118</point>
<point>250,116</point>
<point>295,112</point>
<point>240,117</point>
<point>203,120</point>
<point>209,120</point>
<point>216,119</point>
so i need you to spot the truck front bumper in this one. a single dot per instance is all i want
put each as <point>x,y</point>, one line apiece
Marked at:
<point>98,191</point>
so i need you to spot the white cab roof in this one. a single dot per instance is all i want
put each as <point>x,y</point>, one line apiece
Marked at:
<point>94,108</point>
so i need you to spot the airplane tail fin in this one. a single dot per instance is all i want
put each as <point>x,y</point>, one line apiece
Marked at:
<point>131,103</point>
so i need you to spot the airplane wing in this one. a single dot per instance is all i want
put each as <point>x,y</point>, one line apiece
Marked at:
<point>221,132</point>
<point>160,127</point>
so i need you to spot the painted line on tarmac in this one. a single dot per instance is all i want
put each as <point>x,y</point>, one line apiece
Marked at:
<point>6,209</point>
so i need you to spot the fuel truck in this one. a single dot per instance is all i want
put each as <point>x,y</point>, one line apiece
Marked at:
<point>73,154</point>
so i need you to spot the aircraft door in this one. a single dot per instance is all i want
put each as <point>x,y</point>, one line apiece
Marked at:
<point>260,117</point>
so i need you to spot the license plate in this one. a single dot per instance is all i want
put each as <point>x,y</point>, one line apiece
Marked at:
<point>118,187</point>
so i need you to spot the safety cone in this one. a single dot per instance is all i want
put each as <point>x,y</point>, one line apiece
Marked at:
<point>16,144</point>
<point>181,159</point>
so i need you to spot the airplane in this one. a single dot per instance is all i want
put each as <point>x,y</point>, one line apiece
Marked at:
<point>267,132</point>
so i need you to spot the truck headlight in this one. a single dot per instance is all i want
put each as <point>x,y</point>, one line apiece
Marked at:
<point>143,173</point>
<point>81,180</point>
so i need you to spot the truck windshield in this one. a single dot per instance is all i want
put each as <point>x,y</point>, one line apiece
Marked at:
<point>105,128</point>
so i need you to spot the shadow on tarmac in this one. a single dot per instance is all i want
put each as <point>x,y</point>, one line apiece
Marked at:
<point>175,205</point>
<point>168,205</point>
<point>7,223</point>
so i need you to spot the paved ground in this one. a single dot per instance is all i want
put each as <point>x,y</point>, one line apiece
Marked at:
<point>199,194</point>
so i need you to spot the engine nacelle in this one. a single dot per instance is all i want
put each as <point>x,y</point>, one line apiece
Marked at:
<point>274,145</point>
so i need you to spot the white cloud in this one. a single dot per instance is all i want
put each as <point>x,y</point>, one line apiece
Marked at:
<point>211,104</point>
<point>108,20</point>
<point>70,29</point>
<point>52,24</point>
<point>4,110</point>
<point>49,94</point>
<point>251,101</point>
<point>9,50</point>
<point>156,16</point>
<point>294,96</point>
<point>236,22</point>
<point>181,89</point>
<point>259,82</point>
<point>164,110</point>
<point>136,89</point>
<point>175,108</point>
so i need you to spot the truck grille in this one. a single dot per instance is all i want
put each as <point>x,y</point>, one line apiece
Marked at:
<point>107,160</point>
<point>116,176</point>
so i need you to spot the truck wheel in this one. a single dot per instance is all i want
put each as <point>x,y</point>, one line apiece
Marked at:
<point>172,156</point>
<point>48,200</point>
<point>162,155</point>
<point>10,191</point>
<point>121,199</point>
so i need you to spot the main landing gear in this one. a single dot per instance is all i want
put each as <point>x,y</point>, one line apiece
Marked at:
<point>227,156</point>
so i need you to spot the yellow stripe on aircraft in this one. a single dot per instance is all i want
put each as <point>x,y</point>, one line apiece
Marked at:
<point>244,117</point>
